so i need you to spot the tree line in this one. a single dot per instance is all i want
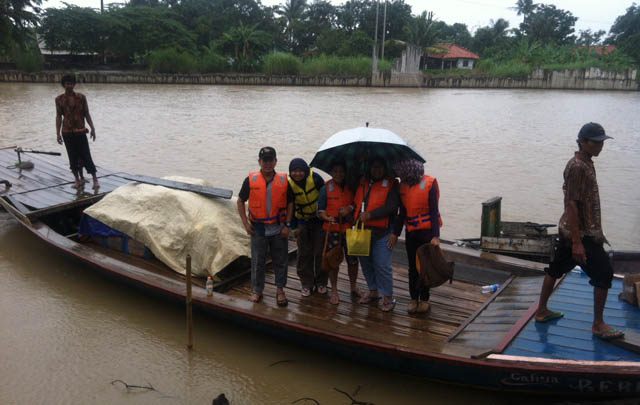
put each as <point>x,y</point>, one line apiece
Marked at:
<point>239,34</point>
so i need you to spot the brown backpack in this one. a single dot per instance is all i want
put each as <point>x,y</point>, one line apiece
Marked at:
<point>433,267</point>
<point>332,258</point>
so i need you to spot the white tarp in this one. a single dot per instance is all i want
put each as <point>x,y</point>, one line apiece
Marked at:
<point>174,223</point>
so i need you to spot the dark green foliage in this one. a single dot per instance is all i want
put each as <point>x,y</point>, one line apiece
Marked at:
<point>625,32</point>
<point>73,29</point>
<point>357,44</point>
<point>140,30</point>
<point>212,62</point>
<point>421,30</point>
<point>28,59</point>
<point>457,34</point>
<point>17,20</point>
<point>546,23</point>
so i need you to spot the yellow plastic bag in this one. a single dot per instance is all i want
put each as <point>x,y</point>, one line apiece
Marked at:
<point>358,240</point>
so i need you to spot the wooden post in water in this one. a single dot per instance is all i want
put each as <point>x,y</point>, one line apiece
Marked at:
<point>189,312</point>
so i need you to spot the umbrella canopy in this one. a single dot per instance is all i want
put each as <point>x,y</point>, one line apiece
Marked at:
<point>358,146</point>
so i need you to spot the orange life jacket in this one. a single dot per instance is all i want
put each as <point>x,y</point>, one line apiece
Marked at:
<point>264,207</point>
<point>377,198</point>
<point>337,197</point>
<point>416,201</point>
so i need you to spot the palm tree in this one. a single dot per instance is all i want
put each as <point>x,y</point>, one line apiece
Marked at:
<point>245,37</point>
<point>293,13</point>
<point>420,31</point>
<point>524,7</point>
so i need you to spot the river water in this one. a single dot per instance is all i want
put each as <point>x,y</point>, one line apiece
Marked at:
<point>66,333</point>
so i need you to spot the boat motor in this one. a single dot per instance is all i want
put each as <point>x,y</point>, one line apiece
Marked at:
<point>27,165</point>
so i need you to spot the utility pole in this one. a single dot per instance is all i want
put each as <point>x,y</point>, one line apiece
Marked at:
<point>384,28</point>
<point>374,58</point>
<point>104,55</point>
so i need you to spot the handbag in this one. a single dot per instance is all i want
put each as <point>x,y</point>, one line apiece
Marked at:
<point>432,265</point>
<point>358,240</point>
<point>332,258</point>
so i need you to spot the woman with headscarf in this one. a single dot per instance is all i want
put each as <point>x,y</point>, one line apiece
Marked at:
<point>419,212</point>
<point>306,185</point>
<point>376,205</point>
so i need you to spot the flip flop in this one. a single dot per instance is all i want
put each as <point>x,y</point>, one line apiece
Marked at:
<point>609,334</point>
<point>553,315</point>
<point>369,299</point>
<point>334,300</point>
<point>255,297</point>
<point>282,302</point>
<point>356,294</point>
<point>388,307</point>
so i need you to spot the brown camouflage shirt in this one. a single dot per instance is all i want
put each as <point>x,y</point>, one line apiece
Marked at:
<point>73,109</point>
<point>581,186</point>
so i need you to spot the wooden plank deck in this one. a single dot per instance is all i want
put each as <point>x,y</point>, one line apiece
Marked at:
<point>495,321</point>
<point>48,184</point>
<point>570,337</point>
<point>451,304</point>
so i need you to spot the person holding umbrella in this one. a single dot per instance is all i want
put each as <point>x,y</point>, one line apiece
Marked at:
<point>419,212</point>
<point>334,203</point>
<point>376,205</point>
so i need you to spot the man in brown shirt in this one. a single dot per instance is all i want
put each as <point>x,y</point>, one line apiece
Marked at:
<point>581,236</point>
<point>71,111</point>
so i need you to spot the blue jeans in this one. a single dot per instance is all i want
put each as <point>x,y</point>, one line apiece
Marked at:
<point>279,256</point>
<point>377,267</point>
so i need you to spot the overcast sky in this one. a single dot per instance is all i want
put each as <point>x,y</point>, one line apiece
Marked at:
<point>592,14</point>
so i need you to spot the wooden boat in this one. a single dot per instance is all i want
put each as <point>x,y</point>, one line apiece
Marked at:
<point>480,340</point>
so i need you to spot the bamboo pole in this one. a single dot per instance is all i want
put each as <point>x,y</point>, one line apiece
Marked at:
<point>189,312</point>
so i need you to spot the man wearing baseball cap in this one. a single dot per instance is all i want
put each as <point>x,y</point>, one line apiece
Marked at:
<point>268,222</point>
<point>581,235</point>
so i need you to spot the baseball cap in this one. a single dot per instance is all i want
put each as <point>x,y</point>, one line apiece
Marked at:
<point>593,131</point>
<point>267,152</point>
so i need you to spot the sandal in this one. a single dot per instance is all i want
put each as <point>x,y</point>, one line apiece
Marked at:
<point>356,293</point>
<point>369,299</point>
<point>388,306</point>
<point>412,307</point>
<point>305,292</point>
<point>281,300</point>
<point>255,297</point>
<point>334,299</point>
<point>321,289</point>
<point>423,307</point>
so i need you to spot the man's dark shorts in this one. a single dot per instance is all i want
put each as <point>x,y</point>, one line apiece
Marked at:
<point>598,266</point>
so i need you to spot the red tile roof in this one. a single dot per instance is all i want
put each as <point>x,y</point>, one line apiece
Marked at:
<point>600,49</point>
<point>454,52</point>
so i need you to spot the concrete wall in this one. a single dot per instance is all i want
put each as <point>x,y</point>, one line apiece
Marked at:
<point>214,78</point>
<point>584,79</point>
<point>409,61</point>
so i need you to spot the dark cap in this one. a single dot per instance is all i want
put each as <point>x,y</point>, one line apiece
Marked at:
<point>267,152</point>
<point>593,132</point>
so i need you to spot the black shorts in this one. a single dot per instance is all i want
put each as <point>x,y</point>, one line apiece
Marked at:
<point>598,266</point>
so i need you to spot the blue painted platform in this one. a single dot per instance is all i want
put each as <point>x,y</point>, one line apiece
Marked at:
<point>570,337</point>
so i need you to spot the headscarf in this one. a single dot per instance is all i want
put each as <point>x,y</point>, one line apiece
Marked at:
<point>409,171</point>
<point>299,163</point>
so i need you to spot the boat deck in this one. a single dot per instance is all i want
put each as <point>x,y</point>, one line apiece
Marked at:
<point>47,187</point>
<point>451,305</point>
<point>570,337</point>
